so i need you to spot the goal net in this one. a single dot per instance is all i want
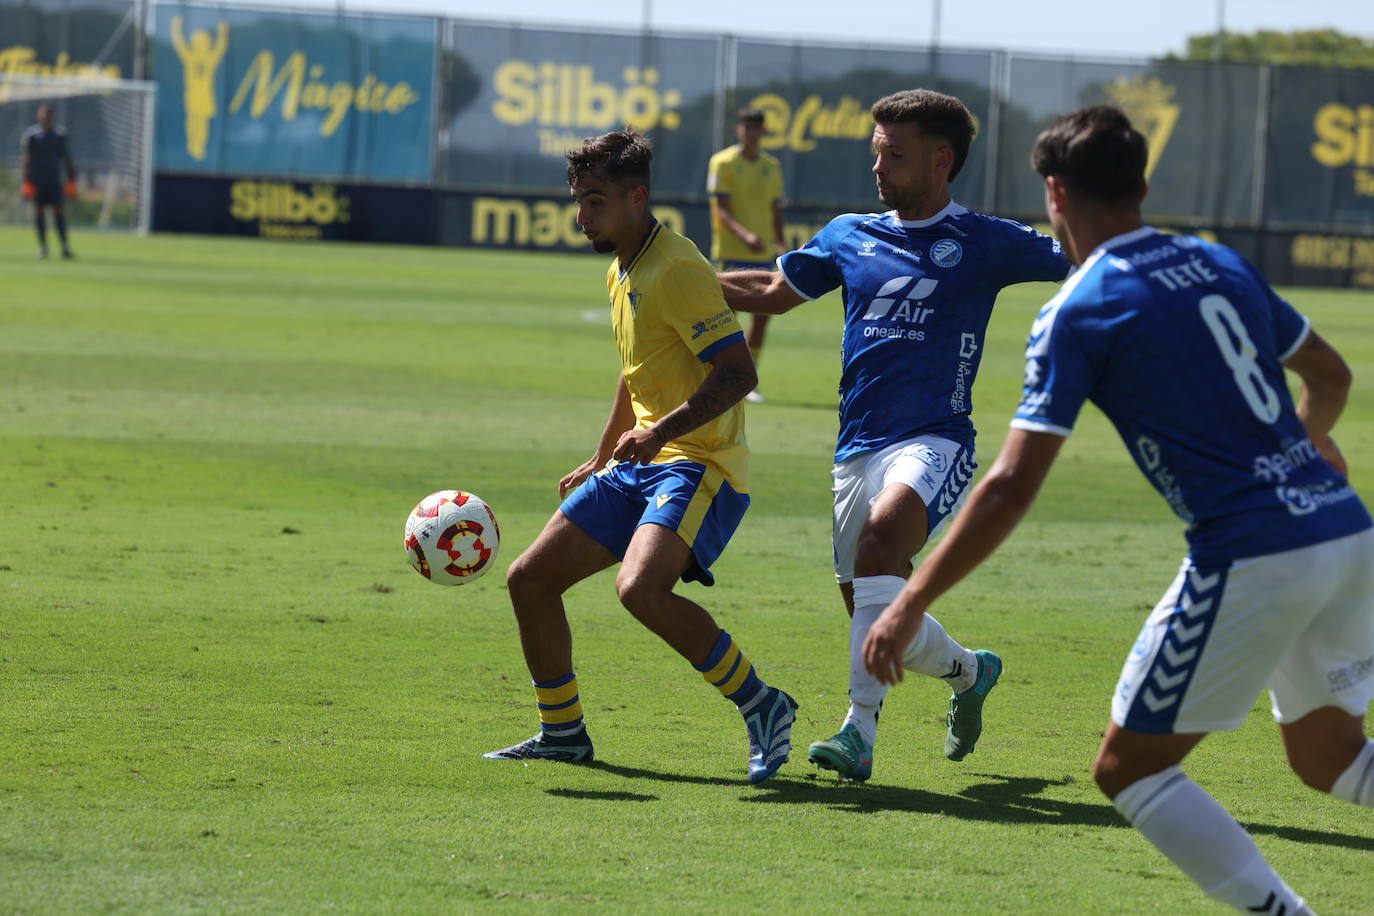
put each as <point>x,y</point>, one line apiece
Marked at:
<point>109,125</point>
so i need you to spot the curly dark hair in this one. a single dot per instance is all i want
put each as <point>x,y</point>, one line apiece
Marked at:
<point>621,156</point>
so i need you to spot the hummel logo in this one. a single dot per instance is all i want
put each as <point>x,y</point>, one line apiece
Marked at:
<point>956,670</point>
<point>663,498</point>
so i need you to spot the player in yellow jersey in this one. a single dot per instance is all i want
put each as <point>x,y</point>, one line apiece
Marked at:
<point>668,483</point>
<point>745,185</point>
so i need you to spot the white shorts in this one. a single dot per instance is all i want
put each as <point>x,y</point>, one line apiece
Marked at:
<point>939,470</point>
<point>1299,622</point>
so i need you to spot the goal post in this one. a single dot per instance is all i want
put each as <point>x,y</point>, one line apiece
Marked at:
<point>109,125</point>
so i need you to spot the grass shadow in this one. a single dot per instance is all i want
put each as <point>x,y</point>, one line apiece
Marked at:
<point>1003,799</point>
<point>585,795</point>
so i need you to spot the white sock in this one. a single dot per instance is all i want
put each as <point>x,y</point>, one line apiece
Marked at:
<point>1356,784</point>
<point>872,595</point>
<point>1197,835</point>
<point>935,653</point>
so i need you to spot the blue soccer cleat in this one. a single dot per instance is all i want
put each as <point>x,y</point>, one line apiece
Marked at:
<point>576,748</point>
<point>966,709</point>
<point>769,721</point>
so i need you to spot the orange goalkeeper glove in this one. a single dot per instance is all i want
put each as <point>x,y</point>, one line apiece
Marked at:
<point>28,191</point>
<point>71,189</point>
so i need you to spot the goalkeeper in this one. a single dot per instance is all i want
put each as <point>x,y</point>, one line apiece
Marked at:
<point>45,155</point>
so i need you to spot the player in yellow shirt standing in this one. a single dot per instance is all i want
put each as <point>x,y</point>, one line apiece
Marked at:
<point>668,483</point>
<point>745,185</point>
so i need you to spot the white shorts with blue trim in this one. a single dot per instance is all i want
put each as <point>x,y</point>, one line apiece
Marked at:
<point>1299,622</point>
<point>939,470</point>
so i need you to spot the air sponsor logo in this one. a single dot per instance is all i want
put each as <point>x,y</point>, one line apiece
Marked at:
<point>900,298</point>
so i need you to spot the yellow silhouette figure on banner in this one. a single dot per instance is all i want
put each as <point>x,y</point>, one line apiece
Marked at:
<point>199,59</point>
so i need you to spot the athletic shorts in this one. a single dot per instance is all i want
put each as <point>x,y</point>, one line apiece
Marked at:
<point>48,194</point>
<point>683,496</point>
<point>939,470</point>
<point>1299,622</point>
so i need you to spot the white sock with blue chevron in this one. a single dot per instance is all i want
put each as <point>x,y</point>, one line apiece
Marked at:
<point>1356,784</point>
<point>1197,835</point>
<point>935,653</point>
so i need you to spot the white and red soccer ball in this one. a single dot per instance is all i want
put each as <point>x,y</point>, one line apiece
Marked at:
<point>452,537</point>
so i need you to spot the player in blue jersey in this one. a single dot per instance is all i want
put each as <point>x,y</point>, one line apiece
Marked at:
<point>668,482</point>
<point>43,159</point>
<point>919,285</point>
<point>1278,585</point>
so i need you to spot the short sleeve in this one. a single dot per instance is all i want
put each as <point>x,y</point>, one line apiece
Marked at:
<point>812,270</point>
<point>1059,374</point>
<point>1290,326</point>
<point>1032,256</point>
<point>719,181</point>
<point>698,312</point>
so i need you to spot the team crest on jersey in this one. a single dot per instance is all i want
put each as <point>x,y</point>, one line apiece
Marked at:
<point>634,297</point>
<point>946,253</point>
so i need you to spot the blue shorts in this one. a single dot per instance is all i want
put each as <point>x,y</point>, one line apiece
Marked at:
<point>684,496</point>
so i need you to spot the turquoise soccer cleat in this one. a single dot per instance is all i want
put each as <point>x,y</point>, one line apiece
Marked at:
<point>848,754</point>
<point>966,709</point>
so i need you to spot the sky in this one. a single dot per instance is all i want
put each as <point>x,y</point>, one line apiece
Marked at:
<point>1080,28</point>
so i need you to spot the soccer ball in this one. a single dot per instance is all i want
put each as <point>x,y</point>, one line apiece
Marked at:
<point>452,537</point>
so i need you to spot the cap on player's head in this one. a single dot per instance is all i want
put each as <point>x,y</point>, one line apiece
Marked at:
<point>621,157</point>
<point>752,116</point>
<point>935,113</point>
<point>1096,153</point>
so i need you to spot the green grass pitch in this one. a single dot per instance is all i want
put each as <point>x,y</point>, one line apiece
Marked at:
<point>222,689</point>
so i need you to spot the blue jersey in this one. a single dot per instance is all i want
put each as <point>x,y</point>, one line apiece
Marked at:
<point>1181,344</point>
<point>917,298</point>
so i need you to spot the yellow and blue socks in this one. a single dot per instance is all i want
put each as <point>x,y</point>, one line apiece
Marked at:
<point>729,670</point>
<point>560,706</point>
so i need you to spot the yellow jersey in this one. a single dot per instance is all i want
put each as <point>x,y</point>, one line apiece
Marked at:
<point>670,319</point>
<point>753,186</point>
